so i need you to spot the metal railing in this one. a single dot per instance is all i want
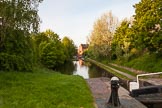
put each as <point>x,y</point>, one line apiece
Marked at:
<point>135,84</point>
<point>148,74</point>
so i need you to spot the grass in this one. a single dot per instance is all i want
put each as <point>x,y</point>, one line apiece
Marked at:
<point>146,62</point>
<point>114,72</point>
<point>109,70</point>
<point>43,89</point>
<point>123,70</point>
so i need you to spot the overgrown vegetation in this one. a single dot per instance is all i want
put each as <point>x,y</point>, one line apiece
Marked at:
<point>135,43</point>
<point>43,89</point>
<point>22,46</point>
<point>123,70</point>
<point>49,50</point>
<point>18,18</point>
<point>108,69</point>
<point>146,62</point>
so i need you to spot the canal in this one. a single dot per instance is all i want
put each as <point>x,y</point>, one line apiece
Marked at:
<point>89,70</point>
<point>85,69</point>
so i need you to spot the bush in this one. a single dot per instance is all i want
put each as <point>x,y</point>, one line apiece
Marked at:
<point>52,55</point>
<point>11,62</point>
<point>16,51</point>
<point>146,62</point>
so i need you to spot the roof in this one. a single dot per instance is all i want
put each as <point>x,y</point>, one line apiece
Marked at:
<point>84,46</point>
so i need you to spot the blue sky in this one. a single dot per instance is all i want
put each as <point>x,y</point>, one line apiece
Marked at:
<point>75,18</point>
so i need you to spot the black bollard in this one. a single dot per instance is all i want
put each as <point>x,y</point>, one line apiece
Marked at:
<point>114,101</point>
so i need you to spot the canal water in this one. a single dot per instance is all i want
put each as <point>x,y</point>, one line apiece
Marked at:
<point>85,69</point>
<point>89,70</point>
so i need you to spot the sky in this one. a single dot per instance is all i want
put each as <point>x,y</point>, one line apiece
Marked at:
<point>75,18</point>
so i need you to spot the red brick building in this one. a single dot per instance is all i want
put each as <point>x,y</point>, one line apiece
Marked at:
<point>82,48</point>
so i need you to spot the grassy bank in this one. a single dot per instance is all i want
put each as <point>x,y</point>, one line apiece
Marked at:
<point>43,89</point>
<point>123,70</point>
<point>146,62</point>
<point>108,68</point>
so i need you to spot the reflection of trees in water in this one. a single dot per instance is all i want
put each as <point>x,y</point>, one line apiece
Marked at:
<point>95,71</point>
<point>75,67</point>
<point>67,68</point>
<point>88,64</point>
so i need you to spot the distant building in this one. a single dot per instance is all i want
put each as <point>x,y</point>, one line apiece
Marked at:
<point>82,48</point>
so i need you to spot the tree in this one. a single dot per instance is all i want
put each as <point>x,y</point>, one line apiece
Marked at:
<point>122,40</point>
<point>49,49</point>
<point>52,54</point>
<point>147,25</point>
<point>51,35</point>
<point>38,39</point>
<point>17,55</point>
<point>101,37</point>
<point>20,14</point>
<point>19,19</point>
<point>69,47</point>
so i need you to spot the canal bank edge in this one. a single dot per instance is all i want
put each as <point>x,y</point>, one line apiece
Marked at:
<point>120,74</point>
<point>123,75</point>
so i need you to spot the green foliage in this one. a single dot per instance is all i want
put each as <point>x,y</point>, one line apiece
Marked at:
<point>122,40</point>
<point>69,46</point>
<point>121,35</point>
<point>17,52</point>
<point>147,25</point>
<point>19,18</point>
<point>39,40</point>
<point>43,89</point>
<point>118,52</point>
<point>49,50</point>
<point>51,35</point>
<point>140,40</point>
<point>14,62</point>
<point>109,69</point>
<point>39,37</point>
<point>146,62</point>
<point>20,14</point>
<point>122,70</point>
<point>92,52</point>
<point>52,55</point>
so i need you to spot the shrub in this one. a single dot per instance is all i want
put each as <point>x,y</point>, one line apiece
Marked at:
<point>52,55</point>
<point>11,62</point>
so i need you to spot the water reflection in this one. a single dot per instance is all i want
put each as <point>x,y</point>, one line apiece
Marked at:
<point>87,70</point>
<point>68,68</point>
<point>84,69</point>
<point>81,69</point>
<point>94,72</point>
<point>80,62</point>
